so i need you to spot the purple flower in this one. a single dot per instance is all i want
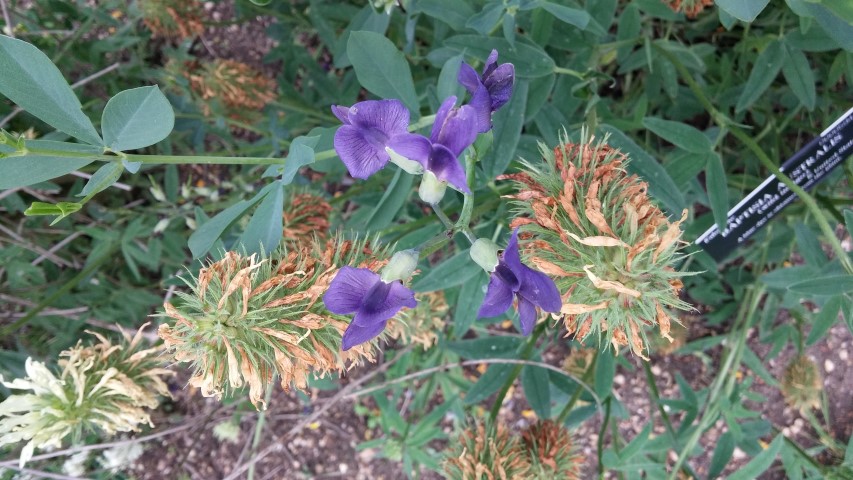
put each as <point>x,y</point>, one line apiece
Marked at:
<point>490,91</point>
<point>374,302</point>
<point>531,288</point>
<point>453,131</point>
<point>371,128</point>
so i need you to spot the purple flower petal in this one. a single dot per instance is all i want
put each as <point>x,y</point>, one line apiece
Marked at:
<point>499,84</point>
<point>539,289</point>
<point>481,103</point>
<point>511,257</point>
<point>357,334</point>
<point>342,113</point>
<point>459,130</point>
<point>382,302</point>
<point>491,63</point>
<point>498,298</point>
<point>412,146</point>
<point>468,78</point>
<point>440,117</point>
<point>361,150</point>
<point>444,165</point>
<point>348,288</point>
<point>526,315</point>
<point>388,116</point>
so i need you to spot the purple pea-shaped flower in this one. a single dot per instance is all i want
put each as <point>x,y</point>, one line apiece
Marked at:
<point>489,91</point>
<point>372,131</point>
<point>373,301</point>
<point>512,279</point>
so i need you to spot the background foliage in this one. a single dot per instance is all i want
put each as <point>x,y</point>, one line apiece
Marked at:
<point>704,105</point>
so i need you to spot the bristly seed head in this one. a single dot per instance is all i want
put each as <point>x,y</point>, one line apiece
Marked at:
<point>485,452</point>
<point>248,318</point>
<point>550,450</point>
<point>802,384</point>
<point>608,247</point>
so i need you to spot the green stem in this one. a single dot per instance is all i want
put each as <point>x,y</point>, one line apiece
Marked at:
<point>525,355</point>
<point>259,429</point>
<point>655,394</point>
<point>570,72</point>
<point>587,376</point>
<point>752,145</point>
<point>448,224</point>
<point>423,122</point>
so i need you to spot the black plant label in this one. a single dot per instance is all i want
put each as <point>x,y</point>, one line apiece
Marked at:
<point>806,168</point>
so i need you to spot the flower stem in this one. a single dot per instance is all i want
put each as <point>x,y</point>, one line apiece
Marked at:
<point>726,124</point>
<point>423,122</point>
<point>448,224</point>
<point>525,355</point>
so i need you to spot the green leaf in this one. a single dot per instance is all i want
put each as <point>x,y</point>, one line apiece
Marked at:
<point>809,246</point>
<point>572,16</point>
<point>392,201</point>
<point>722,454</point>
<point>679,134</point>
<point>31,169</point>
<point>744,10</point>
<point>718,190</point>
<point>827,285</point>
<point>486,347</point>
<point>263,233</point>
<point>105,176</point>
<point>508,122</point>
<point>453,12</point>
<point>537,390</point>
<point>137,118</point>
<point>470,298</point>
<point>760,463</point>
<point>382,69</point>
<point>448,83</point>
<point>605,370</point>
<point>824,320</point>
<point>454,271</point>
<point>484,21</point>
<point>661,185</point>
<point>764,72</point>
<point>203,239</point>
<point>782,277</point>
<point>488,383</point>
<point>848,220</point>
<point>33,82</point>
<point>530,60</point>
<point>62,209</point>
<point>301,153</point>
<point>798,73</point>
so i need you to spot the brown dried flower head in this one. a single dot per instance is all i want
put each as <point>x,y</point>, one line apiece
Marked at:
<point>100,388</point>
<point>483,452</point>
<point>608,247</point>
<point>248,318</point>
<point>550,451</point>
<point>223,87</point>
<point>306,216</point>
<point>422,324</point>
<point>691,8</point>
<point>802,384</point>
<point>173,19</point>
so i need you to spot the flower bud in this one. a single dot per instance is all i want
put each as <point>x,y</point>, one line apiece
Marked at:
<point>432,189</point>
<point>409,166</point>
<point>485,253</point>
<point>401,266</point>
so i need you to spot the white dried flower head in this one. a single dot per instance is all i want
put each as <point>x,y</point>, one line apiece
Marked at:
<point>102,388</point>
<point>75,466</point>
<point>120,457</point>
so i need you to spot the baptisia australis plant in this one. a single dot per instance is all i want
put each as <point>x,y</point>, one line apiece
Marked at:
<point>376,132</point>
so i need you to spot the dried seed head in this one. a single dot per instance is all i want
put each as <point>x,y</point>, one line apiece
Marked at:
<point>170,19</point>
<point>579,360</point>
<point>550,451</point>
<point>593,228</point>
<point>248,318</point>
<point>224,87</point>
<point>481,452</point>
<point>422,324</point>
<point>691,8</point>
<point>305,216</point>
<point>102,388</point>
<point>802,384</point>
